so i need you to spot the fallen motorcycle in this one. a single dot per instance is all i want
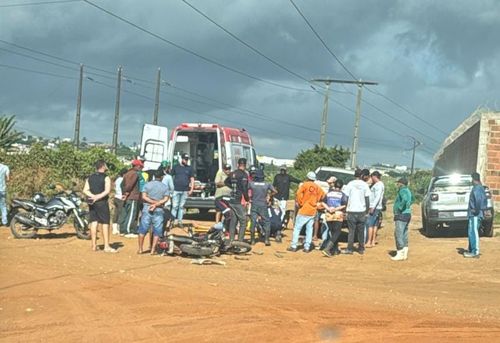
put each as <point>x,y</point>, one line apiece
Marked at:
<point>213,243</point>
<point>29,216</point>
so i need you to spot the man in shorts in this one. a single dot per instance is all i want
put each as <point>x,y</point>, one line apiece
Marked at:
<point>154,195</point>
<point>97,188</point>
<point>376,196</point>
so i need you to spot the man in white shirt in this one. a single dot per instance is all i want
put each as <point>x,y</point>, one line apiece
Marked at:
<point>358,204</point>
<point>376,196</point>
<point>4,177</point>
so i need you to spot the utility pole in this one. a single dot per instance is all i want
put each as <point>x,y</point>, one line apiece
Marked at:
<point>157,97</point>
<point>327,82</point>
<point>354,151</point>
<point>416,144</point>
<point>117,110</point>
<point>76,139</point>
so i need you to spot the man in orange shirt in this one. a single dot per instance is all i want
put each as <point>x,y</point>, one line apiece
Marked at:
<point>308,196</point>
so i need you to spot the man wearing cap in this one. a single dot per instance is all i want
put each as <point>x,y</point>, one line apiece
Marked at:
<point>237,181</point>
<point>358,205</point>
<point>282,183</point>
<point>376,196</point>
<point>477,204</point>
<point>308,196</point>
<point>131,195</point>
<point>221,191</point>
<point>402,217</point>
<point>260,191</point>
<point>183,187</point>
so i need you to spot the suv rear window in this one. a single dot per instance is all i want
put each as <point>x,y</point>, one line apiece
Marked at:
<point>452,185</point>
<point>323,175</point>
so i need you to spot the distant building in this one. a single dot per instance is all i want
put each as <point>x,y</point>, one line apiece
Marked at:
<point>275,161</point>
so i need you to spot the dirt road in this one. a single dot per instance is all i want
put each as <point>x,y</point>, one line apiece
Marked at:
<point>54,289</point>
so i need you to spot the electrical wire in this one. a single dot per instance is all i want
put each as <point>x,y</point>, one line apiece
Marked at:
<point>191,52</point>
<point>22,4</point>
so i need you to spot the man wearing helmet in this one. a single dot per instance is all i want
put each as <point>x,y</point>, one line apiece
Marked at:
<point>237,181</point>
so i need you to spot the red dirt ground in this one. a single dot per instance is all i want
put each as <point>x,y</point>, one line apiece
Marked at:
<point>55,289</point>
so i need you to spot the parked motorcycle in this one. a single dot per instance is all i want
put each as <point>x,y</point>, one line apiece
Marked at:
<point>213,243</point>
<point>29,216</point>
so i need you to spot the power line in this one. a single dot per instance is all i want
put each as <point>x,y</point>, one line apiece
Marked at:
<point>191,52</point>
<point>232,35</point>
<point>407,111</point>
<point>355,78</point>
<point>37,72</point>
<point>38,3</point>
<point>246,111</point>
<point>322,41</point>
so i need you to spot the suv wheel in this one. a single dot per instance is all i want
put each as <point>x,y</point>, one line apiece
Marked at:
<point>430,229</point>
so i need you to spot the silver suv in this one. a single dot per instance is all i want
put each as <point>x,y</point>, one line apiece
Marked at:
<point>446,202</point>
<point>324,173</point>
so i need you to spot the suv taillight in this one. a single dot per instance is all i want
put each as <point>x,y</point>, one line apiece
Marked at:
<point>434,197</point>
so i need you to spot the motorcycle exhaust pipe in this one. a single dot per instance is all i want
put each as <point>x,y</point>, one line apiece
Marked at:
<point>25,220</point>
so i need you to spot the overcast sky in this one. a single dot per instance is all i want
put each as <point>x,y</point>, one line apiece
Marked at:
<point>438,59</point>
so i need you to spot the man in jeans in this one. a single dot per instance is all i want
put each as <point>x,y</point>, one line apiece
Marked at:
<point>477,203</point>
<point>307,197</point>
<point>183,187</point>
<point>154,195</point>
<point>131,196</point>
<point>358,204</point>
<point>402,217</point>
<point>4,177</point>
<point>260,192</point>
<point>238,182</point>
<point>282,183</point>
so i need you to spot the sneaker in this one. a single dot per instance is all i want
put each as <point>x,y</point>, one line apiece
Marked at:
<point>131,235</point>
<point>337,252</point>
<point>307,251</point>
<point>292,249</point>
<point>326,253</point>
<point>470,255</point>
<point>267,243</point>
<point>361,251</point>
<point>347,251</point>
<point>278,239</point>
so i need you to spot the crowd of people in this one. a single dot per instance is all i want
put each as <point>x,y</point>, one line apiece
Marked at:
<point>145,202</point>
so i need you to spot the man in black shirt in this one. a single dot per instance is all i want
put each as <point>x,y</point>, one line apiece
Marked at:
<point>282,183</point>
<point>97,188</point>
<point>238,182</point>
<point>183,187</point>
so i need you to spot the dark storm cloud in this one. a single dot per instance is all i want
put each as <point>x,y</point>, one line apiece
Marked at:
<point>439,59</point>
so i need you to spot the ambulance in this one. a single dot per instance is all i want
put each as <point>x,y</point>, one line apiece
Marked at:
<point>209,146</point>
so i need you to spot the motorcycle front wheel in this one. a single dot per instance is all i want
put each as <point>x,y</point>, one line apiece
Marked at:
<point>239,248</point>
<point>20,230</point>
<point>82,232</point>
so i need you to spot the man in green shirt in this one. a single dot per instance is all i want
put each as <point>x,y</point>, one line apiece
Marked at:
<point>402,217</point>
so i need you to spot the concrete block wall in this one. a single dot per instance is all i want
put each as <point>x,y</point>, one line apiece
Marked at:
<point>492,171</point>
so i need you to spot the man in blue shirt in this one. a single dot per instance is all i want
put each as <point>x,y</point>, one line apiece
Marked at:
<point>4,177</point>
<point>183,187</point>
<point>154,195</point>
<point>477,203</point>
<point>260,191</point>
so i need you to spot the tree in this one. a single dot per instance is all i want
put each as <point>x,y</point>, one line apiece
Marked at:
<point>313,158</point>
<point>8,135</point>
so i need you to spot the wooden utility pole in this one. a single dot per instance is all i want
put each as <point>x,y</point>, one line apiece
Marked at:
<point>416,144</point>
<point>117,110</point>
<point>354,151</point>
<point>157,97</point>
<point>324,120</point>
<point>76,139</point>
